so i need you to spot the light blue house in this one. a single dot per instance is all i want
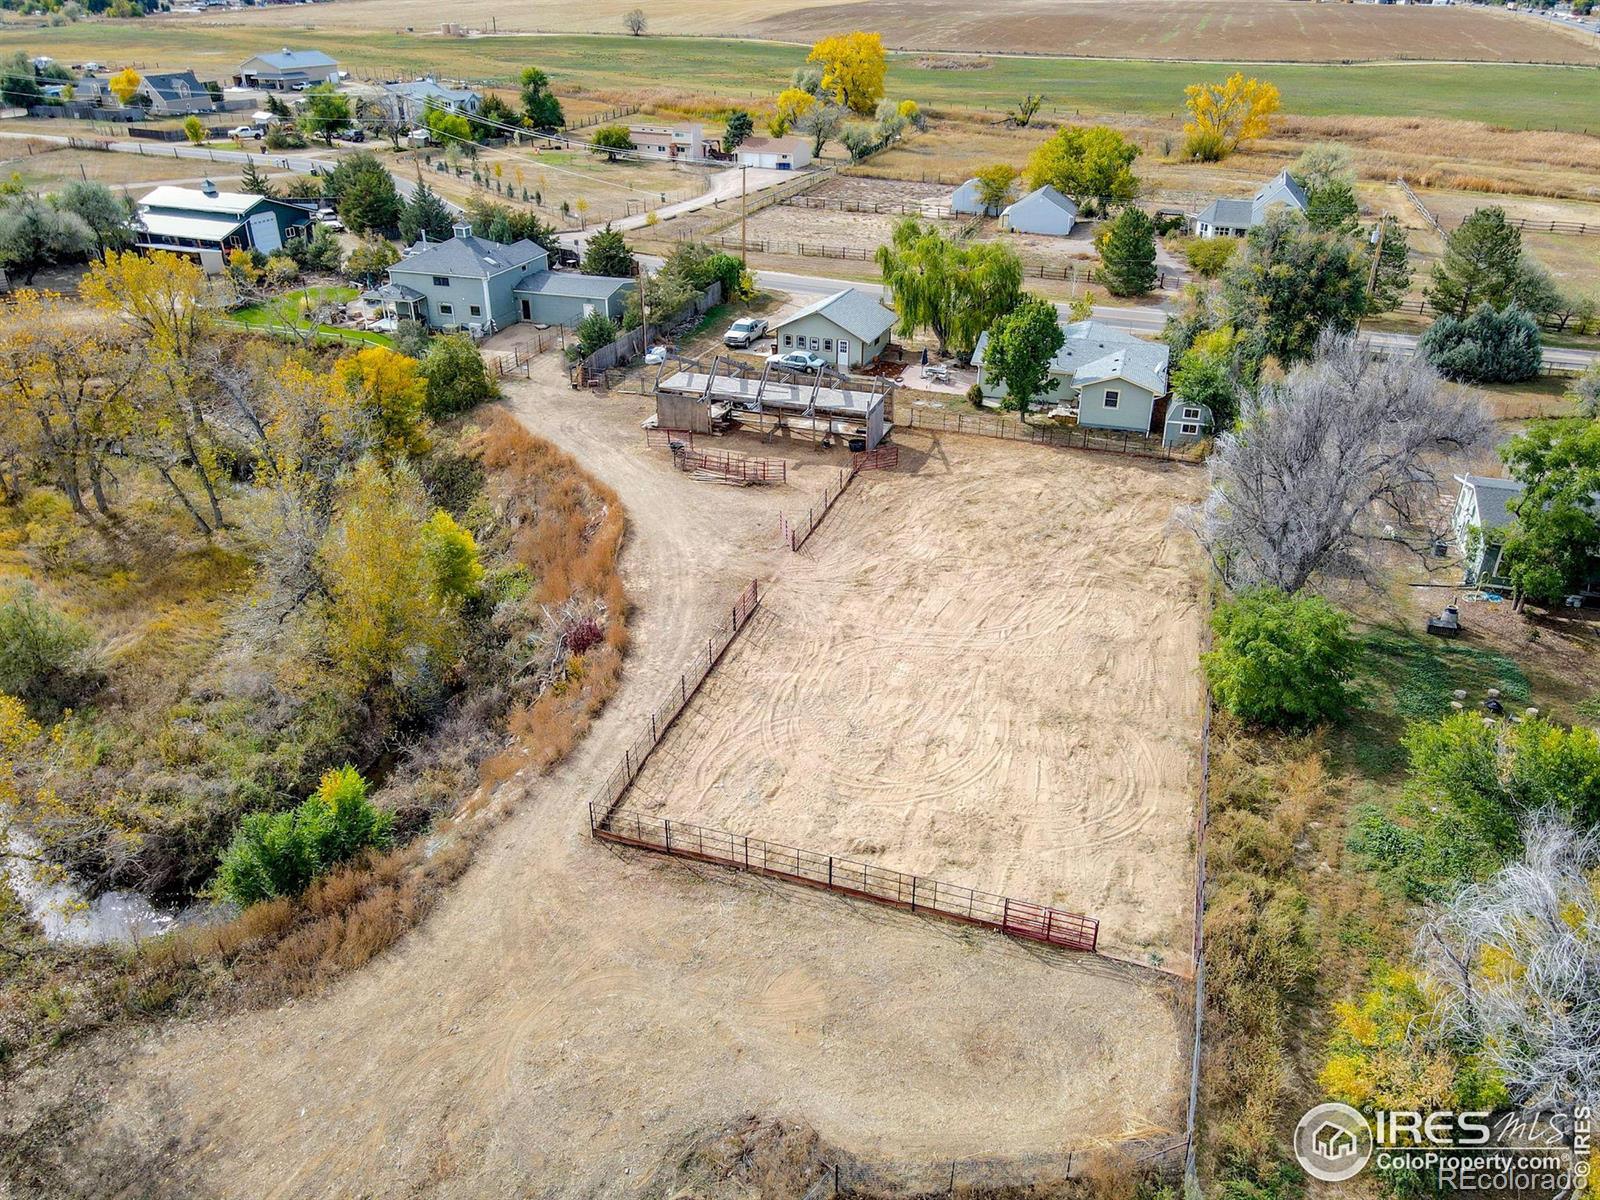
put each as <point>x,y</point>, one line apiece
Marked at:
<point>409,101</point>
<point>848,329</point>
<point>472,283</point>
<point>1110,380</point>
<point>1481,517</point>
<point>1043,210</point>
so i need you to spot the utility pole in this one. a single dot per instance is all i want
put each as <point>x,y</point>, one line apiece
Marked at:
<point>743,212</point>
<point>644,309</point>
<point>1372,275</point>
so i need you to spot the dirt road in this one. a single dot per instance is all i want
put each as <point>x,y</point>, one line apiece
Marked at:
<point>570,1014</point>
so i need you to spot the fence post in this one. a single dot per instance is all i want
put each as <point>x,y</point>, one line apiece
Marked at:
<point>830,870</point>
<point>667,825</point>
<point>627,763</point>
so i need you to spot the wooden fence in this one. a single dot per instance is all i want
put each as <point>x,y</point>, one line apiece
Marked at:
<point>848,876</point>
<point>1072,437</point>
<point>907,208</point>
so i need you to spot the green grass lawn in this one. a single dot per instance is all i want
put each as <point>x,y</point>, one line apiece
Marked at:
<point>274,314</point>
<point>1535,97</point>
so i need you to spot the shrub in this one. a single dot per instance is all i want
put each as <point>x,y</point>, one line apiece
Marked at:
<point>279,854</point>
<point>595,332</point>
<point>457,379</point>
<point>1490,346</point>
<point>1205,147</point>
<point>43,653</point>
<point>1280,660</point>
<point>1208,255</point>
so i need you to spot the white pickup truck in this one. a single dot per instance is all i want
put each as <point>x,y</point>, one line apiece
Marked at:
<point>745,331</point>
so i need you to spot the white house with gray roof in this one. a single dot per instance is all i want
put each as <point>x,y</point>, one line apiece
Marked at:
<point>849,328</point>
<point>1043,210</point>
<point>288,70</point>
<point>1479,522</point>
<point>1111,380</point>
<point>409,101</point>
<point>473,283</point>
<point>1235,218</point>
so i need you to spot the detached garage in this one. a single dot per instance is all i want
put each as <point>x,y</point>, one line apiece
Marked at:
<point>1043,210</point>
<point>848,329</point>
<point>775,153</point>
<point>565,298</point>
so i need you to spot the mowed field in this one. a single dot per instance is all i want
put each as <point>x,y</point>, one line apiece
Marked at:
<point>1261,30</point>
<point>982,670</point>
<point>643,69</point>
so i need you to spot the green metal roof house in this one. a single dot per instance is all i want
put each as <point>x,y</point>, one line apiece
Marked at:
<point>849,328</point>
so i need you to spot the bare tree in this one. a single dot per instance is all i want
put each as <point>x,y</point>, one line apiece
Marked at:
<point>1322,461</point>
<point>634,20</point>
<point>1517,963</point>
<point>822,122</point>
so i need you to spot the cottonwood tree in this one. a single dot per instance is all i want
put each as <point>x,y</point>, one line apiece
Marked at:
<point>1022,345</point>
<point>822,123</point>
<point>634,21</point>
<point>1320,462</point>
<point>1291,282</point>
<point>1091,163</point>
<point>853,69</point>
<point>996,183</point>
<point>1516,962</point>
<point>1224,115</point>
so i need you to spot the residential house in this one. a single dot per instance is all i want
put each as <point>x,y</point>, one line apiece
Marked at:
<point>409,101</point>
<point>1235,218</point>
<point>968,201</point>
<point>1110,380</point>
<point>472,283</point>
<point>288,70</point>
<point>1479,522</point>
<point>775,153</point>
<point>849,328</point>
<point>668,141</point>
<point>1043,210</point>
<point>175,93</point>
<point>209,224</point>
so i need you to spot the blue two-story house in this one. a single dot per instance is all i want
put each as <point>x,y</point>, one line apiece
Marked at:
<point>473,283</point>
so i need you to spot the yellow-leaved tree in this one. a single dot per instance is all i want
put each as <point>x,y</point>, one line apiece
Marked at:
<point>1224,115</point>
<point>390,387</point>
<point>790,106</point>
<point>124,84</point>
<point>853,69</point>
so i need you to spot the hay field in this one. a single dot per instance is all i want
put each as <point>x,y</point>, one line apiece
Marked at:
<point>1259,30</point>
<point>983,670</point>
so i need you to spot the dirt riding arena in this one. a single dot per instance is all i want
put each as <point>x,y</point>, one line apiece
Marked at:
<point>982,668</point>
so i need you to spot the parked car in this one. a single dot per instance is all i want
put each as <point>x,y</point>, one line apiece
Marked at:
<point>797,360</point>
<point>354,134</point>
<point>242,132</point>
<point>745,331</point>
<point>330,221</point>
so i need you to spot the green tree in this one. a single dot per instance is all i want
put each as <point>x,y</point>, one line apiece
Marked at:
<point>610,140</point>
<point>19,86</point>
<point>595,332</point>
<point>996,183</point>
<point>1291,282</point>
<point>1128,253</point>
<point>449,128</point>
<point>607,254</point>
<point>1481,264</point>
<point>540,108</point>
<point>326,113</point>
<point>425,214</point>
<point>1214,372</point>
<point>1393,279</point>
<point>1332,208</point>
<point>456,376</point>
<point>1091,163</point>
<point>45,658</point>
<point>322,251</point>
<point>368,261</point>
<point>1022,345</point>
<point>954,289</point>
<point>1551,545</point>
<point>254,181</point>
<point>34,235</point>
<point>105,213</point>
<point>1280,660</point>
<point>194,129</point>
<point>1323,163</point>
<point>1490,346</point>
<point>452,557</point>
<point>1209,255</point>
<point>493,118</point>
<point>364,194</point>
<point>739,126</point>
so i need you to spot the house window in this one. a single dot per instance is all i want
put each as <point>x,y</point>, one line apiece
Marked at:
<point>445,310</point>
<point>827,344</point>
<point>814,344</point>
<point>1111,398</point>
<point>441,281</point>
<point>1191,414</point>
<point>476,310</point>
<point>1189,430</point>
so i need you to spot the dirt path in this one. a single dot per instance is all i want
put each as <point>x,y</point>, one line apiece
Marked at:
<point>570,1014</point>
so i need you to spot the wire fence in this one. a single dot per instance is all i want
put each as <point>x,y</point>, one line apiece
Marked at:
<point>1074,437</point>
<point>910,208</point>
<point>794,533</point>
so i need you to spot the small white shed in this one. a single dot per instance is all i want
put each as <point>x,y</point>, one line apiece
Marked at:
<point>1043,210</point>
<point>968,201</point>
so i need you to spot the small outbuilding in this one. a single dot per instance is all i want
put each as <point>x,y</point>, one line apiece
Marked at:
<point>967,200</point>
<point>1043,210</point>
<point>849,328</point>
<point>288,70</point>
<point>1186,423</point>
<point>775,153</point>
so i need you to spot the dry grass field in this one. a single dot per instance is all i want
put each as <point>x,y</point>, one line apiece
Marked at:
<point>931,687</point>
<point>1261,30</point>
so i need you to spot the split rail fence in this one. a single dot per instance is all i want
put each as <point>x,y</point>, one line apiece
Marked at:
<point>915,893</point>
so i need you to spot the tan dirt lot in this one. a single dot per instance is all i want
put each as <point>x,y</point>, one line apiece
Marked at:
<point>983,671</point>
<point>570,1013</point>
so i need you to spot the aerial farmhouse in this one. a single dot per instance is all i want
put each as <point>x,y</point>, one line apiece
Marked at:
<point>849,328</point>
<point>175,93</point>
<point>409,101</point>
<point>1235,218</point>
<point>1043,210</point>
<point>670,142</point>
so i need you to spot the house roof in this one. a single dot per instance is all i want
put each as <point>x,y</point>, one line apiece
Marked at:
<point>1245,214</point>
<point>174,85</point>
<point>853,311</point>
<point>392,291</point>
<point>1091,352</point>
<point>1492,495</point>
<point>1048,195</point>
<point>570,283</point>
<point>774,145</point>
<point>193,200</point>
<point>431,89</point>
<point>1280,189</point>
<point>475,257</point>
<point>1227,214</point>
<point>290,60</point>
<point>199,228</point>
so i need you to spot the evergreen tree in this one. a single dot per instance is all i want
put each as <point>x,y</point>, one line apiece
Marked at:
<point>739,126</point>
<point>1332,207</point>
<point>254,181</point>
<point>1394,269</point>
<point>1491,346</point>
<point>1128,253</point>
<point>607,254</point>
<point>1481,264</point>
<point>426,214</point>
